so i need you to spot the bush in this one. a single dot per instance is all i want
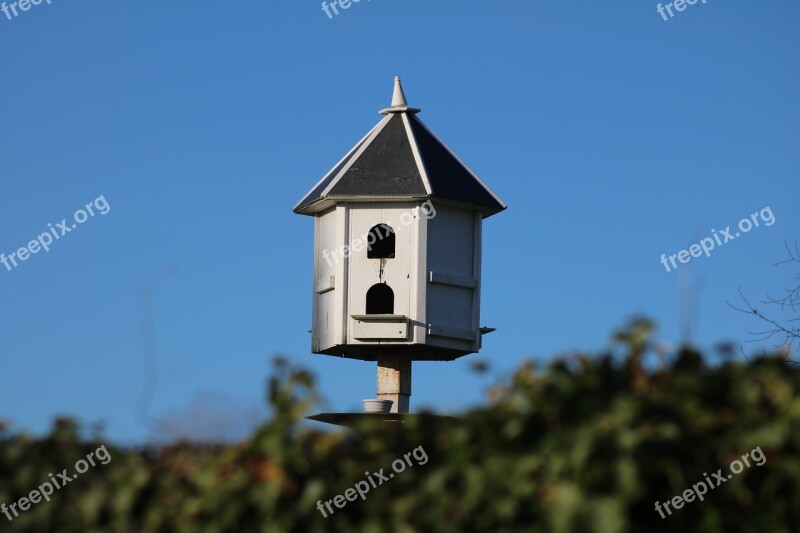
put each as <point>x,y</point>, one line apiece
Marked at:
<point>585,444</point>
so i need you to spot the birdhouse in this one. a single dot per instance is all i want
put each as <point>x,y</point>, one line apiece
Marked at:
<point>397,247</point>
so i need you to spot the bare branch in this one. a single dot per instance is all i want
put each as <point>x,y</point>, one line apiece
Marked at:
<point>790,337</point>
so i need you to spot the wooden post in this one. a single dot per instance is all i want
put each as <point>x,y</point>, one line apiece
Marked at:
<point>394,381</point>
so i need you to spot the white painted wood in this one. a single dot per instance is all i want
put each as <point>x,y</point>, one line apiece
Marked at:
<point>329,266</point>
<point>453,333</point>
<point>452,280</point>
<point>399,103</point>
<point>419,259</point>
<point>395,272</point>
<point>476,274</point>
<point>435,277</point>
<point>327,283</point>
<point>315,324</point>
<point>381,318</point>
<point>367,329</point>
<point>324,304</point>
<point>342,271</point>
<point>398,96</point>
<point>417,157</point>
<point>451,302</point>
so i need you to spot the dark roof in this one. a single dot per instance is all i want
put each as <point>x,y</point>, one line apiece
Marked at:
<point>400,159</point>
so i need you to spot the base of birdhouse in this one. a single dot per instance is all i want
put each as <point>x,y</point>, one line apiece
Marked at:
<point>354,420</point>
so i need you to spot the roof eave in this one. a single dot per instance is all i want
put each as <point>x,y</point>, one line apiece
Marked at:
<point>321,205</point>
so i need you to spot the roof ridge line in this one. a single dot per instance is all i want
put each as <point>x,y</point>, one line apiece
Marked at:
<point>423,171</point>
<point>458,159</point>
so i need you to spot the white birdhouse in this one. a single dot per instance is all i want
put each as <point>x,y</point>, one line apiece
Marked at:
<point>397,247</point>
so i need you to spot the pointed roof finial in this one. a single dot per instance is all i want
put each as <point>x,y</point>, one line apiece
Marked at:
<point>398,98</point>
<point>399,103</point>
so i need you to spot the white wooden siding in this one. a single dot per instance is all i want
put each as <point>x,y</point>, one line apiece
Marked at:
<point>398,272</point>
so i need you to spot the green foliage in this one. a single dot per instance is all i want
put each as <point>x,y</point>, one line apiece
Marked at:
<point>582,445</point>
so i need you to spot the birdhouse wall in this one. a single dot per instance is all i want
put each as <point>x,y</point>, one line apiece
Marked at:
<point>395,276</point>
<point>418,295</point>
<point>329,280</point>
<point>453,276</point>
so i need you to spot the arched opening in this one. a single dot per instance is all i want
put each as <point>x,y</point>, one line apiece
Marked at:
<point>380,300</point>
<point>380,242</point>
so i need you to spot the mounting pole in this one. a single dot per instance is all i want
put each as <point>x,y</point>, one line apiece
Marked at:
<point>394,381</point>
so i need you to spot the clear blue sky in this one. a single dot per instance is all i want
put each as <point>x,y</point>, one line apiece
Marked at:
<point>614,137</point>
